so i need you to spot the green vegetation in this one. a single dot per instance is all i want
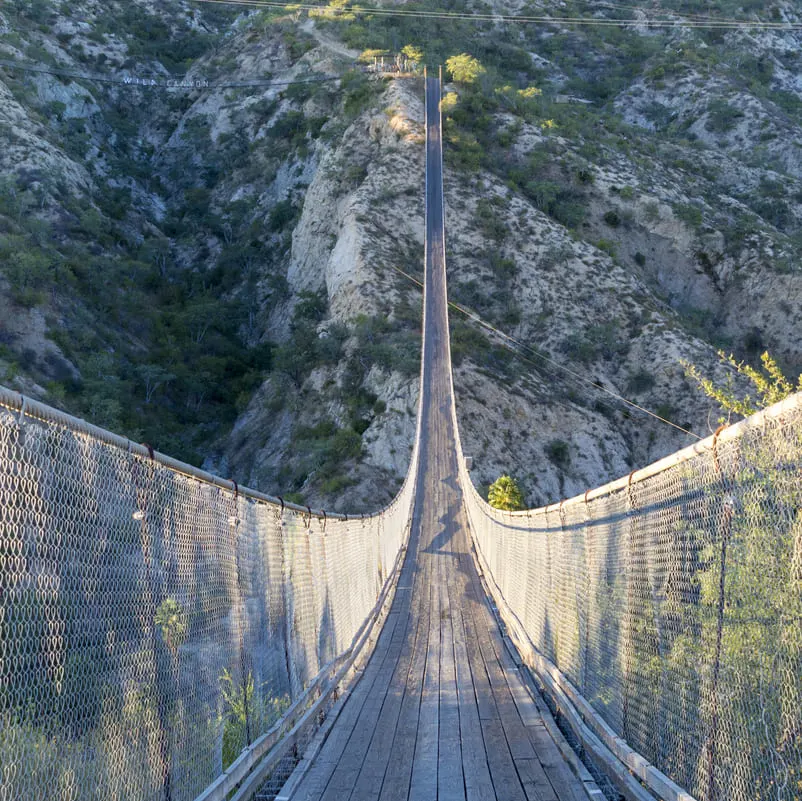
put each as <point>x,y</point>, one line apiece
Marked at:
<point>504,493</point>
<point>171,621</point>
<point>640,381</point>
<point>769,383</point>
<point>598,341</point>
<point>722,117</point>
<point>559,453</point>
<point>413,53</point>
<point>197,366</point>
<point>248,712</point>
<point>464,68</point>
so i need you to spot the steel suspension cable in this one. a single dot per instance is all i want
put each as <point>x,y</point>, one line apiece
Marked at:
<point>509,341</point>
<point>544,19</point>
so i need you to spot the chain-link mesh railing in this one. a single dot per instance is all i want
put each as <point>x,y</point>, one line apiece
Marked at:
<point>672,602</point>
<point>152,622</point>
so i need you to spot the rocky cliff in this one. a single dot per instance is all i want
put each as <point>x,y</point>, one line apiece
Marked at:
<point>223,269</point>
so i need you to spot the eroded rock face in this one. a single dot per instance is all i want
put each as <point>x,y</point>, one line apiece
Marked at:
<point>362,212</point>
<point>307,220</point>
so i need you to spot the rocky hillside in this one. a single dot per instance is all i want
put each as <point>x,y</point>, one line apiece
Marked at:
<point>218,270</point>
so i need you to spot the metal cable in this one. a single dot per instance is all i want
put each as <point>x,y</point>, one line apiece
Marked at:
<point>518,346</point>
<point>543,20</point>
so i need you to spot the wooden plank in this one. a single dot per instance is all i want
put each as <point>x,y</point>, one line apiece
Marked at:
<point>399,770</point>
<point>535,782</point>
<point>506,782</point>
<point>563,781</point>
<point>352,756</point>
<point>478,784</point>
<point>369,783</point>
<point>504,775</point>
<point>450,779</point>
<point>519,743</point>
<point>423,786</point>
<point>485,702</point>
<point>314,784</point>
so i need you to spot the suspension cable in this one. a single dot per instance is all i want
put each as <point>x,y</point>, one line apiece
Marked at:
<point>722,23</point>
<point>510,341</point>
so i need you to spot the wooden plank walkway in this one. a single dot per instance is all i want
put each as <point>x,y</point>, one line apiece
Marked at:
<point>441,712</point>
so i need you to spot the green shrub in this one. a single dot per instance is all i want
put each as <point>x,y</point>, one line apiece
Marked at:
<point>722,117</point>
<point>504,493</point>
<point>282,215</point>
<point>640,382</point>
<point>559,453</point>
<point>607,246</point>
<point>689,214</point>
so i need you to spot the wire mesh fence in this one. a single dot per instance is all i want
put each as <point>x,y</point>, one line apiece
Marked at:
<point>672,602</point>
<point>153,624</point>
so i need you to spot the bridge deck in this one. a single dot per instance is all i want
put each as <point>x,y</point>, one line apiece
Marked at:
<point>440,711</point>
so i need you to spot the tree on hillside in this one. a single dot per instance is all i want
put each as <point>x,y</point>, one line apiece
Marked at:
<point>412,53</point>
<point>505,494</point>
<point>464,68</point>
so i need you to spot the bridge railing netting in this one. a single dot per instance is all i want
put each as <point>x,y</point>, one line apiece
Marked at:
<point>153,624</point>
<point>672,602</point>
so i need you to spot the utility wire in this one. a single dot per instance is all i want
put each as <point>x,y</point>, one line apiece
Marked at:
<point>655,9</point>
<point>509,341</point>
<point>727,24</point>
<point>180,82</point>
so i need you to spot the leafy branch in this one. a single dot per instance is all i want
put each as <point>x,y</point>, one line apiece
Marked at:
<point>770,384</point>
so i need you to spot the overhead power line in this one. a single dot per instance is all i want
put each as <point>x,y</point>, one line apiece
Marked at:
<point>175,82</point>
<point>655,9</point>
<point>662,20</point>
<point>516,347</point>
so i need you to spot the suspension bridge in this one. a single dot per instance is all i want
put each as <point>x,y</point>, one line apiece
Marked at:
<point>166,634</point>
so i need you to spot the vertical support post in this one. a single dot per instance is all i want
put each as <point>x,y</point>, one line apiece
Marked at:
<point>233,522</point>
<point>285,585</point>
<point>726,532</point>
<point>589,562</point>
<point>629,614</point>
<point>154,598</point>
